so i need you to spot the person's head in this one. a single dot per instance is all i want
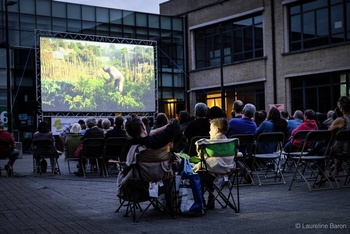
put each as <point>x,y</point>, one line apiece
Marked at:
<point>259,117</point>
<point>161,120</point>
<point>99,123</point>
<point>337,113</point>
<point>111,120</point>
<point>76,128</point>
<point>285,115</point>
<point>106,124</point>
<point>119,122</point>
<point>217,126</point>
<point>82,124</point>
<point>330,114</point>
<point>249,110</point>
<point>2,125</point>
<point>298,114</point>
<point>91,122</point>
<point>145,121</point>
<point>216,112</point>
<point>310,114</point>
<point>237,107</point>
<point>135,128</point>
<point>274,114</point>
<point>200,110</point>
<point>344,104</point>
<point>43,127</point>
<point>184,117</point>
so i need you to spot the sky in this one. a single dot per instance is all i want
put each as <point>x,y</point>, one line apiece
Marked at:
<point>147,6</point>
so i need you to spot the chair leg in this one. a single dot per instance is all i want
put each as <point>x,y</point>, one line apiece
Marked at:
<point>57,166</point>
<point>70,172</point>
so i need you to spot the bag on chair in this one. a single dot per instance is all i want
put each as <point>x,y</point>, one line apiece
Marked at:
<point>190,199</point>
<point>78,151</point>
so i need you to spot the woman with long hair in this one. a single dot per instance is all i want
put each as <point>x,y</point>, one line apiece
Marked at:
<point>274,123</point>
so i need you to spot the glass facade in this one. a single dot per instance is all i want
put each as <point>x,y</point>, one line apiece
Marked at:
<point>319,92</point>
<point>239,39</point>
<point>28,15</point>
<point>318,23</point>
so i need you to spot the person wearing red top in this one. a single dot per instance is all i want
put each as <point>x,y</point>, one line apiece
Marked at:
<point>309,123</point>
<point>12,153</point>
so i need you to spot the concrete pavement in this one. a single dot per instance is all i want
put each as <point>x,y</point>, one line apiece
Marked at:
<point>69,204</point>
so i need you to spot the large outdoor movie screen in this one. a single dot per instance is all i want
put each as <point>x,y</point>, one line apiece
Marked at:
<point>90,76</point>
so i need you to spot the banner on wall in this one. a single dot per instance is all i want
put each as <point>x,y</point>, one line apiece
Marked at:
<point>58,124</point>
<point>280,107</point>
<point>3,115</point>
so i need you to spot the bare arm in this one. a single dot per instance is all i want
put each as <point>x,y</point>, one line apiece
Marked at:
<point>338,123</point>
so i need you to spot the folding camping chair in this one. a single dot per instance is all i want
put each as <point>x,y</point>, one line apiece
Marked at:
<point>147,180</point>
<point>217,170</point>
<point>72,144</point>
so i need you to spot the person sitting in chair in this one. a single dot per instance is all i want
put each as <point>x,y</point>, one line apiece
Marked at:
<point>11,153</point>
<point>151,152</point>
<point>218,129</point>
<point>43,133</point>
<point>92,132</point>
<point>137,133</point>
<point>219,165</point>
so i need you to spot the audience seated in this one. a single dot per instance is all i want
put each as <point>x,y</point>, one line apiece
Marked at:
<point>43,133</point>
<point>200,126</point>
<point>341,123</point>
<point>216,112</point>
<point>218,129</point>
<point>151,154</point>
<point>328,122</point>
<point>106,125</point>
<point>112,122</point>
<point>12,153</point>
<point>309,123</point>
<point>138,135</point>
<point>237,109</point>
<point>180,142</point>
<point>220,165</point>
<point>160,121</point>
<point>285,115</point>
<point>146,122</point>
<point>245,124</point>
<point>259,117</point>
<point>274,123</point>
<point>67,129</point>
<point>99,123</point>
<point>92,132</point>
<point>75,130</point>
<point>118,130</point>
<point>298,118</point>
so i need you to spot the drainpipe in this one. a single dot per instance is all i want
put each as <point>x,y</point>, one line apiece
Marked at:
<point>274,75</point>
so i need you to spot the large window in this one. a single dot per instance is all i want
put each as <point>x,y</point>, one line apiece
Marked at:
<point>319,92</point>
<point>318,23</point>
<point>229,42</point>
<point>248,93</point>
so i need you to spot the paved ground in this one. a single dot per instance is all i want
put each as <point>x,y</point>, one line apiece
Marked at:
<point>69,204</point>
